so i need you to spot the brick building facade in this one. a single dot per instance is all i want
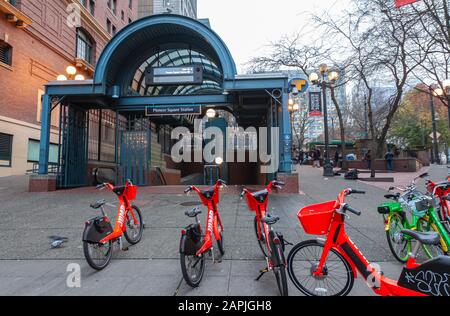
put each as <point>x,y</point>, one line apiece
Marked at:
<point>39,39</point>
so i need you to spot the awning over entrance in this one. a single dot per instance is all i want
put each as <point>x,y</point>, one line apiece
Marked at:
<point>163,43</point>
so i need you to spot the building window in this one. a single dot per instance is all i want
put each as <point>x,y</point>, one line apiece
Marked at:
<point>114,30</point>
<point>85,46</point>
<point>90,5</point>
<point>108,26</point>
<point>34,149</point>
<point>123,16</point>
<point>112,5</point>
<point>5,150</point>
<point>130,4</point>
<point>5,53</point>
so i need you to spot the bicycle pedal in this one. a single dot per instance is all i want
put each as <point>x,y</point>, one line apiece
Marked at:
<point>125,249</point>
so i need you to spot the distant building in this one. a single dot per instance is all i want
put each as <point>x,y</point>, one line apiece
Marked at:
<point>180,7</point>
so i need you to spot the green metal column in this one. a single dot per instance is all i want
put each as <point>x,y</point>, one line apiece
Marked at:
<point>45,134</point>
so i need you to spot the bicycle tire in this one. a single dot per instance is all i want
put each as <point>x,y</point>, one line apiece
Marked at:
<point>400,257</point>
<point>262,240</point>
<point>430,251</point>
<point>193,282</point>
<point>136,240</point>
<point>314,243</point>
<point>280,271</point>
<point>91,261</point>
<point>444,217</point>
<point>220,243</point>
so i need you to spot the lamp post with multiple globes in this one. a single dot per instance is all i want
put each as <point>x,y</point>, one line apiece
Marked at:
<point>327,80</point>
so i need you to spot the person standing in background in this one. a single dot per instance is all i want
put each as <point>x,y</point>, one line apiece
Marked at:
<point>389,160</point>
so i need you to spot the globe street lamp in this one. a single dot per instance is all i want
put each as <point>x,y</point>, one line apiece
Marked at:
<point>325,82</point>
<point>71,74</point>
<point>445,93</point>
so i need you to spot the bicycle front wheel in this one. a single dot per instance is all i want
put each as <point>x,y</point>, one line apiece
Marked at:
<point>134,231</point>
<point>261,240</point>
<point>280,271</point>
<point>337,277</point>
<point>221,242</point>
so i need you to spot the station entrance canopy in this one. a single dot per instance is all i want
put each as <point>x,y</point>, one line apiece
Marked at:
<point>160,63</point>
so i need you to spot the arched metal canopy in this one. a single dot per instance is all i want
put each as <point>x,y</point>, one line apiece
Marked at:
<point>133,45</point>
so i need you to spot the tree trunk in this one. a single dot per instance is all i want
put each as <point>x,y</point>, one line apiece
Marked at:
<point>342,128</point>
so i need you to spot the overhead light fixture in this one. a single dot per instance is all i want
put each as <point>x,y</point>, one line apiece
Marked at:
<point>71,70</point>
<point>219,161</point>
<point>79,77</point>
<point>61,78</point>
<point>211,113</point>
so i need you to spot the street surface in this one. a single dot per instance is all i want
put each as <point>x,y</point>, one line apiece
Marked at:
<point>29,267</point>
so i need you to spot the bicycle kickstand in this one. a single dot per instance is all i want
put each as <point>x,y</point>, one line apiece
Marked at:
<point>263,271</point>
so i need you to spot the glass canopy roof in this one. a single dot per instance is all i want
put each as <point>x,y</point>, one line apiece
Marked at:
<point>212,74</point>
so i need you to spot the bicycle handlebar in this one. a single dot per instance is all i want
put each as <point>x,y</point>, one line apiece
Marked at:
<point>188,190</point>
<point>351,210</point>
<point>353,191</point>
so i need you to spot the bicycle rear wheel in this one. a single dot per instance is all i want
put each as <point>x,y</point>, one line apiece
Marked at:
<point>399,245</point>
<point>430,251</point>
<point>192,266</point>
<point>303,260</point>
<point>98,256</point>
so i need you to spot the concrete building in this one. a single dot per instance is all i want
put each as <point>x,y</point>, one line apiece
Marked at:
<point>181,7</point>
<point>39,39</point>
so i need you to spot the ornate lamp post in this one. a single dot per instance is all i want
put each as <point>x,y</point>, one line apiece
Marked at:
<point>445,94</point>
<point>325,82</point>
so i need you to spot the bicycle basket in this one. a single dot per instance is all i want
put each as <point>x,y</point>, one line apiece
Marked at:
<point>316,219</point>
<point>131,192</point>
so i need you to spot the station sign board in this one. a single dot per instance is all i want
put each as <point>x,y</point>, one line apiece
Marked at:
<point>169,110</point>
<point>183,75</point>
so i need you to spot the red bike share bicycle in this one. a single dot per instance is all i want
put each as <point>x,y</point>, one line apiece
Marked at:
<point>99,236</point>
<point>441,190</point>
<point>270,242</point>
<point>194,244</point>
<point>328,267</point>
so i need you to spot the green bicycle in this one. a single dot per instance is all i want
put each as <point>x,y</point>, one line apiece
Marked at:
<point>412,210</point>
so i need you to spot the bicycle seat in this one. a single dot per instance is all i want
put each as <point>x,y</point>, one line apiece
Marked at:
<point>428,238</point>
<point>98,204</point>
<point>193,213</point>
<point>261,196</point>
<point>270,219</point>
<point>392,196</point>
<point>208,194</point>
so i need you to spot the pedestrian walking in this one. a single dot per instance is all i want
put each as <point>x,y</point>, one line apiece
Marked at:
<point>368,159</point>
<point>316,158</point>
<point>336,158</point>
<point>389,160</point>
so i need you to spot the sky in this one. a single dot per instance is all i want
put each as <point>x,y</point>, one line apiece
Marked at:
<point>248,26</point>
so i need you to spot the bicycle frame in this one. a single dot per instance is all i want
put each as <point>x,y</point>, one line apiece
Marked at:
<point>338,240</point>
<point>436,225</point>
<point>125,209</point>
<point>260,208</point>
<point>213,219</point>
<point>437,189</point>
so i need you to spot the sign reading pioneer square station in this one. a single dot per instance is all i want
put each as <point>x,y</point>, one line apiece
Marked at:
<point>173,110</point>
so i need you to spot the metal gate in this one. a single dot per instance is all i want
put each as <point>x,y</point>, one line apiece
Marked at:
<point>73,151</point>
<point>135,151</point>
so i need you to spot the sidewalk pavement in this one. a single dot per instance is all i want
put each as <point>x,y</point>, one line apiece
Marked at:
<point>29,266</point>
